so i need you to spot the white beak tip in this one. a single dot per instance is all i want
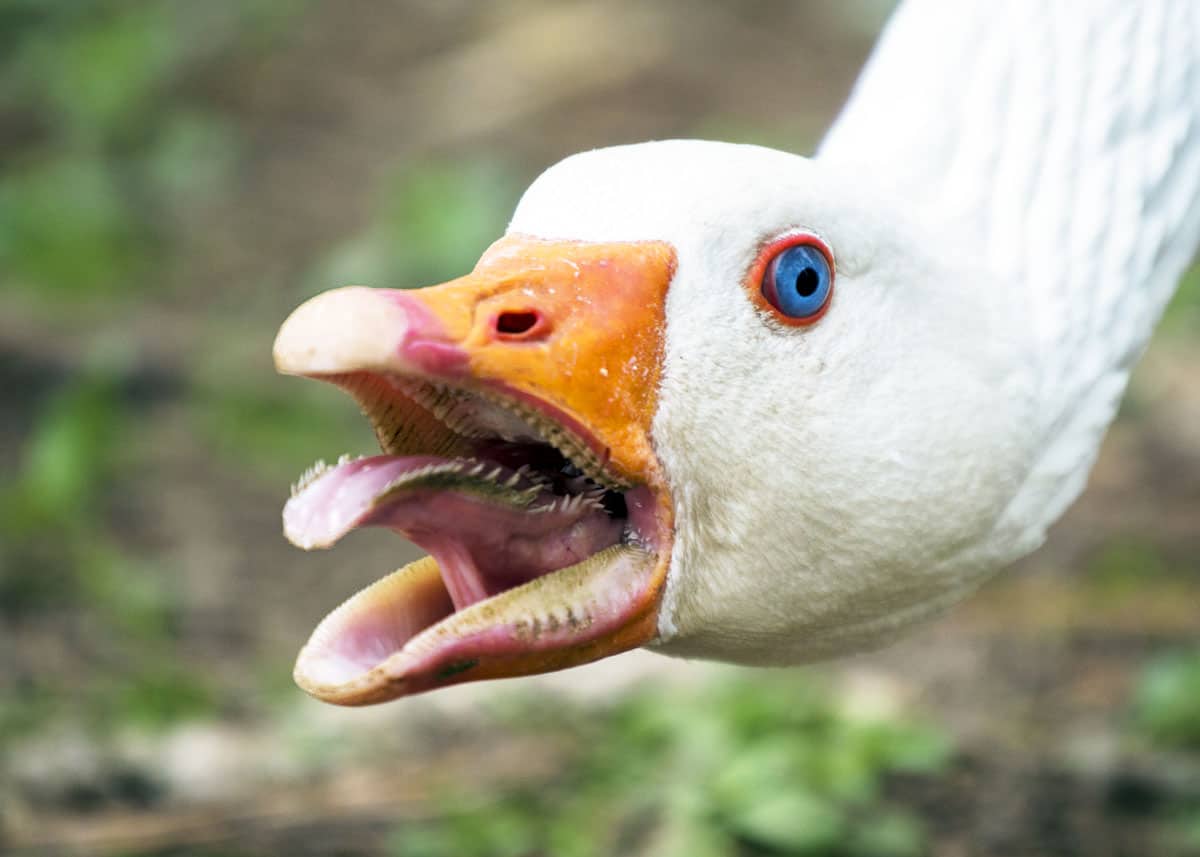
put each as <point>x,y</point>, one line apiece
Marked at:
<point>343,330</point>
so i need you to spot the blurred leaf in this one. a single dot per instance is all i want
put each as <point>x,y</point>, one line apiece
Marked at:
<point>156,696</point>
<point>509,832</point>
<point>25,27</point>
<point>1124,565</point>
<point>421,840</point>
<point>1188,830</point>
<point>65,226</point>
<point>24,709</point>
<point>691,837</point>
<point>497,830</point>
<point>1182,315</point>
<point>849,769</point>
<point>756,773</point>
<point>213,30</point>
<point>791,822</point>
<point>111,142</point>
<point>767,761</point>
<point>892,834</point>
<point>36,573</point>
<point>907,747</point>
<point>102,103</point>
<point>96,77</point>
<point>192,157</point>
<point>279,432</point>
<point>72,447</point>
<point>446,216</point>
<point>433,223</point>
<point>1167,700</point>
<point>47,513</point>
<point>129,595</point>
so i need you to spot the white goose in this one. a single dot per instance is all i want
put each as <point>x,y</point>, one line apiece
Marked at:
<point>738,404</point>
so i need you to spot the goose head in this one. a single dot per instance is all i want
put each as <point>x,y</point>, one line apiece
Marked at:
<point>612,434</point>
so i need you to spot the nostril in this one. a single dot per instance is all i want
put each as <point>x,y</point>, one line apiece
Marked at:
<point>517,322</point>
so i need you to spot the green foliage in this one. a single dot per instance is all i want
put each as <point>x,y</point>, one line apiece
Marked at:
<point>60,563</point>
<point>26,708</point>
<point>1182,315</point>
<point>1167,700</point>
<point>158,694</point>
<point>432,222</point>
<point>1166,711</point>
<point>1188,832</point>
<point>888,834</point>
<point>745,767</point>
<point>47,511</point>
<point>109,147</point>
<point>1124,565</point>
<point>191,157</point>
<point>94,74</point>
<point>510,830</point>
<point>65,225</point>
<point>70,453</point>
<point>276,433</point>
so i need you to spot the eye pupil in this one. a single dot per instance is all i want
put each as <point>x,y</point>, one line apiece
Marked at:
<point>807,282</point>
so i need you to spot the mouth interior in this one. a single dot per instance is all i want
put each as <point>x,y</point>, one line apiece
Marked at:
<point>501,494</point>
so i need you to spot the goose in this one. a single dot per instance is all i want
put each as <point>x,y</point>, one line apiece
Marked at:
<point>732,403</point>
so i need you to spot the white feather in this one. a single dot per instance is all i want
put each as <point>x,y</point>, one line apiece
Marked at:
<point>1010,196</point>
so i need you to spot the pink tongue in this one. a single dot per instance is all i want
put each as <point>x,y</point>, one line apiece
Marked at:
<point>327,509</point>
<point>482,544</point>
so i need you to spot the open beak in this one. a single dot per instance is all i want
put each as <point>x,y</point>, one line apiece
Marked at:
<point>513,407</point>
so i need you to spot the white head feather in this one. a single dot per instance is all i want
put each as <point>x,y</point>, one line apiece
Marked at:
<point>835,483</point>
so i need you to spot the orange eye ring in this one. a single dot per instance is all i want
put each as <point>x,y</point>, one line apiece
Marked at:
<point>807,275</point>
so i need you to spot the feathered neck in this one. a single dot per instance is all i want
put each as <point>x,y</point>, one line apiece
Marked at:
<point>1058,144</point>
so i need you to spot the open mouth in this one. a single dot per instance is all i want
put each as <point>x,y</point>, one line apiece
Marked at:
<point>534,546</point>
<point>546,549</point>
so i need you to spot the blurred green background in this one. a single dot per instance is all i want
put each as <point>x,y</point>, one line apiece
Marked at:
<point>176,176</point>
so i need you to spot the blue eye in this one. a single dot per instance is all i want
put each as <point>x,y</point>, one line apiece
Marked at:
<point>798,282</point>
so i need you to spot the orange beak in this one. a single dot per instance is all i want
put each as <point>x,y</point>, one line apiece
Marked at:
<point>551,343</point>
